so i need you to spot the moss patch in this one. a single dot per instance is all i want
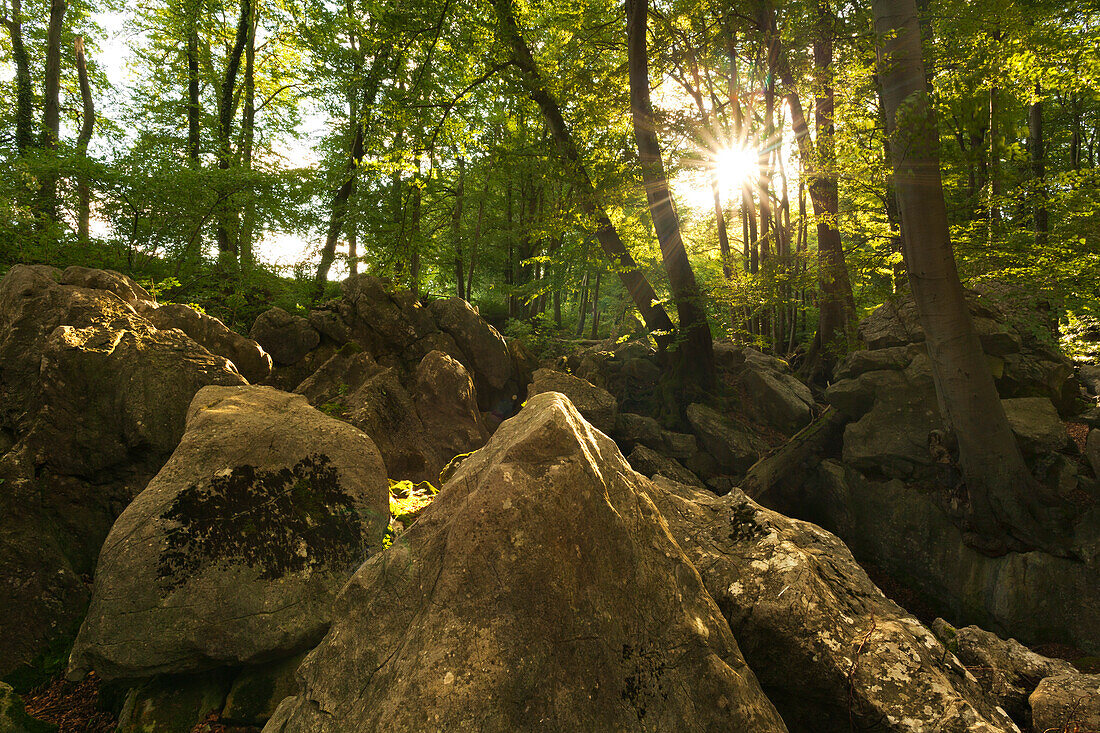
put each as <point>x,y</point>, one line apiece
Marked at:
<point>281,522</point>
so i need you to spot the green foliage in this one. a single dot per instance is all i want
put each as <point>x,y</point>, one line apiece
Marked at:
<point>407,501</point>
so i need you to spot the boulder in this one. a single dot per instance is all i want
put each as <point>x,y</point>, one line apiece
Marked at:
<point>1089,376</point>
<point>251,360</point>
<point>1067,702</point>
<point>891,358</point>
<point>830,650</point>
<point>1092,450</point>
<point>681,446</point>
<point>234,552</point>
<point>446,402</point>
<point>903,529</point>
<point>776,398</point>
<point>121,285</point>
<point>288,338</point>
<point>632,430</point>
<point>92,402</point>
<point>482,345</point>
<point>894,323</point>
<point>734,447</point>
<point>597,405</point>
<point>1006,669</point>
<point>257,691</point>
<point>418,428</point>
<point>650,463</point>
<point>173,704</point>
<point>855,396</point>
<point>1036,424</point>
<point>505,607</point>
<point>13,716</point>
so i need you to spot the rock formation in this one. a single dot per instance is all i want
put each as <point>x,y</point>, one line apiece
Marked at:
<point>233,553</point>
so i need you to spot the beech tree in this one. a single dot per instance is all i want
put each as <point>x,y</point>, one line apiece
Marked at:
<point>1002,509</point>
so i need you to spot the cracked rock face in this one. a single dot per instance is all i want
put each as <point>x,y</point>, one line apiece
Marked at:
<point>829,649</point>
<point>541,591</point>
<point>235,550</point>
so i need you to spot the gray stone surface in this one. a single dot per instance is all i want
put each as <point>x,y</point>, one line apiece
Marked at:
<point>513,604</point>
<point>597,405</point>
<point>235,550</point>
<point>1068,702</point>
<point>732,445</point>
<point>1036,424</point>
<point>287,337</point>
<point>831,651</point>
<point>1006,669</point>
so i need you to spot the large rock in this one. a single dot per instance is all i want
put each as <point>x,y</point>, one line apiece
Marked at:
<point>734,447</point>
<point>416,429</point>
<point>650,463</point>
<point>176,704</point>
<point>597,405</point>
<point>632,430</point>
<point>777,398</point>
<point>1006,669</point>
<point>121,285</point>
<point>1036,424</point>
<point>485,349</point>
<point>541,591</point>
<point>288,338</point>
<point>247,355</point>
<point>1067,702</point>
<point>903,530</point>
<point>92,402</point>
<point>235,550</point>
<point>446,402</point>
<point>830,650</point>
<point>13,716</point>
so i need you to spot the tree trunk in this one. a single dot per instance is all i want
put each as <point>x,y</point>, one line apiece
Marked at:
<point>456,231</point>
<point>696,350</point>
<point>338,209</point>
<point>837,304</point>
<point>193,109</point>
<point>87,125</point>
<point>248,135</point>
<point>227,247</point>
<point>1038,165</point>
<point>582,307</point>
<point>1000,506</point>
<point>24,90</point>
<point>596,307</point>
<point>641,292</point>
<point>51,108</point>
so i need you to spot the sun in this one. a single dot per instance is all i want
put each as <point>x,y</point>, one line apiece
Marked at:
<point>734,166</point>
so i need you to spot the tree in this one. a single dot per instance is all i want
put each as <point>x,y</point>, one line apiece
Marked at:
<point>641,292</point>
<point>696,350</point>
<point>1001,510</point>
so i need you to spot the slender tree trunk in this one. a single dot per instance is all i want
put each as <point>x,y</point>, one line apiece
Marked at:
<point>596,307</point>
<point>24,90</point>
<point>353,252</point>
<point>87,125</point>
<point>193,109</point>
<point>338,209</point>
<point>641,292</point>
<point>1000,511</point>
<point>248,135</point>
<point>51,108</point>
<point>1038,165</point>
<point>477,237</point>
<point>696,351</point>
<point>582,307</point>
<point>227,247</point>
<point>456,231</point>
